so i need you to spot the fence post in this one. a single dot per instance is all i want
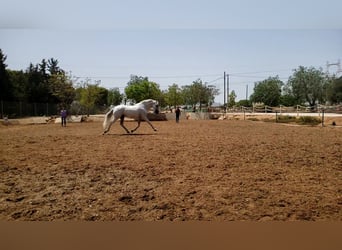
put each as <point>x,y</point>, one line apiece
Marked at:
<point>2,109</point>
<point>322,117</point>
<point>277,116</point>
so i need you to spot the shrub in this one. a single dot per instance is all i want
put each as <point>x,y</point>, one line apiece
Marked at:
<point>253,119</point>
<point>309,120</point>
<point>286,118</point>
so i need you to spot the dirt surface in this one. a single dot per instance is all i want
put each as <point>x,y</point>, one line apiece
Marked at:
<point>195,170</point>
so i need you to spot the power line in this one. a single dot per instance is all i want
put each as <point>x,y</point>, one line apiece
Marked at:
<point>155,76</point>
<point>262,72</point>
<point>215,80</point>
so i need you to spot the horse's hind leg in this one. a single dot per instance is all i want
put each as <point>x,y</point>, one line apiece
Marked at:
<point>122,123</point>
<point>107,123</point>
<point>110,124</point>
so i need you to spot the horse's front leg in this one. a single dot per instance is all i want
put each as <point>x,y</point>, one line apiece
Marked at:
<point>136,127</point>
<point>122,123</point>
<point>148,121</point>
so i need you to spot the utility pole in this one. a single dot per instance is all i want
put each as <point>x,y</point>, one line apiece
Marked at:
<point>224,88</point>
<point>227,89</point>
<point>247,92</point>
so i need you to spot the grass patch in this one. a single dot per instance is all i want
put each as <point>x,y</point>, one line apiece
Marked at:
<point>268,120</point>
<point>253,119</point>
<point>303,120</point>
<point>286,119</point>
<point>308,120</point>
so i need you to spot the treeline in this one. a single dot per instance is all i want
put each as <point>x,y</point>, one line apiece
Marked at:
<point>46,82</point>
<point>306,86</point>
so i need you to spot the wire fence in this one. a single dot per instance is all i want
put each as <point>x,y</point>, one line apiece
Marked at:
<point>24,109</point>
<point>283,109</point>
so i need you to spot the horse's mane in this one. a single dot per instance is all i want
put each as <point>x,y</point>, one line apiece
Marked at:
<point>146,100</point>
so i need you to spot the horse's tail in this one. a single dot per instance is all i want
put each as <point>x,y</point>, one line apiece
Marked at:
<point>107,119</point>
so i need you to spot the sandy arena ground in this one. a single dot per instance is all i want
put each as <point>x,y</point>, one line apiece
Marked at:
<point>195,170</point>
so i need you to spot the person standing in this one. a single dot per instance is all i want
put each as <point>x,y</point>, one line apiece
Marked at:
<point>178,112</point>
<point>63,117</point>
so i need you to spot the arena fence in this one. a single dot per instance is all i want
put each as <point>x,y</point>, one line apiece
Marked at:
<point>24,109</point>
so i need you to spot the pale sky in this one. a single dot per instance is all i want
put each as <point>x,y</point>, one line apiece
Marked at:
<point>173,41</point>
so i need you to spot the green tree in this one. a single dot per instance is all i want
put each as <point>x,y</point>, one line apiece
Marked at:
<point>173,96</point>
<point>244,103</point>
<point>232,97</point>
<point>88,95</point>
<point>211,92</point>
<point>307,85</point>
<point>53,67</point>
<point>287,100</point>
<point>6,93</point>
<point>102,96</point>
<point>140,88</point>
<point>38,89</point>
<point>268,91</point>
<point>61,88</point>
<point>19,81</point>
<point>334,91</point>
<point>114,97</point>
<point>187,95</point>
<point>199,93</point>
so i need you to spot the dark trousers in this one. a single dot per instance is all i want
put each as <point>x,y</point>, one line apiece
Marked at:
<point>64,121</point>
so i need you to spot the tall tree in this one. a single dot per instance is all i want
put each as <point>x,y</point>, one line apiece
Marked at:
<point>6,93</point>
<point>199,93</point>
<point>307,85</point>
<point>53,67</point>
<point>140,88</point>
<point>102,96</point>
<point>114,97</point>
<point>188,97</point>
<point>232,97</point>
<point>61,88</point>
<point>19,81</point>
<point>91,96</point>
<point>268,91</point>
<point>212,91</point>
<point>334,91</point>
<point>88,95</point>
<point>174,96</point>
